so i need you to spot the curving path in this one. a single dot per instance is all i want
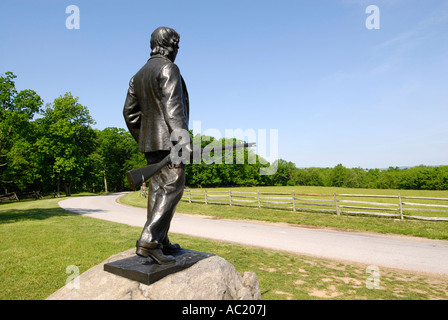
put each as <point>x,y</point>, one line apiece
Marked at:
<point>410,253</point>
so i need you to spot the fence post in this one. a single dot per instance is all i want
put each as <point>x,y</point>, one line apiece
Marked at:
<point>258,197</point>
<point>189,195</point>
<point>336,203</point>
<point>401,206</point>
<point>230,197</point>
<point>293,202</point>
<point>205,196</point>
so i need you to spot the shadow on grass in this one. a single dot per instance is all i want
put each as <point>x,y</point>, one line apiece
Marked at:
<point>22,214</point>
<point>14,215</point>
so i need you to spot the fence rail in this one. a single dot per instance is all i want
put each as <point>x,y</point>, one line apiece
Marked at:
<point>8,197</point>
<point>13,196</point>
<point>357,204</point>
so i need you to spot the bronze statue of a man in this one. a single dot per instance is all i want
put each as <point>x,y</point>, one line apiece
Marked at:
<point>156,105</point>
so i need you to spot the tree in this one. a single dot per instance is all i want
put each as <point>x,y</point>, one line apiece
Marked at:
<point>310,177</point>
<point>66,140</point>
<point>17,134</point>
<point>286,173</point>
<point>338,175</point>
<point>240,167</point>
<point>115,154</point>
<point>353,178</point>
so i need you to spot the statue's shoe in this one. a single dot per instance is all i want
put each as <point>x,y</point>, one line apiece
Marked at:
<point>155,253</point>
<point>170,248</point>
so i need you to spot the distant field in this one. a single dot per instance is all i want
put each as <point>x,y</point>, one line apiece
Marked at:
<point>412,204</point>
<point>327,190</point>
<point>428,229</point>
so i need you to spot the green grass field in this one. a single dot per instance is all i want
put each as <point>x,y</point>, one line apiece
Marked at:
<point>39,240</point>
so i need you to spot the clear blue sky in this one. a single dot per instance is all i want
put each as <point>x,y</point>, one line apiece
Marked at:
<point>336,91</point>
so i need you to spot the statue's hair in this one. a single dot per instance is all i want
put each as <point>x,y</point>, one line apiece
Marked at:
<point>164,40</point>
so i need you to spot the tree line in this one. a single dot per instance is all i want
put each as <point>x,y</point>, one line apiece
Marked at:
<point>414,178</point>
<point>53,148</point>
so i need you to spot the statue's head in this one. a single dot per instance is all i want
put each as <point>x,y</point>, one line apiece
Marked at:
<point>165,41</point>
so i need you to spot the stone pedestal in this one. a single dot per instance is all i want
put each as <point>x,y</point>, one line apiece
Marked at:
<point>210,278</point>
<point>147,271</point>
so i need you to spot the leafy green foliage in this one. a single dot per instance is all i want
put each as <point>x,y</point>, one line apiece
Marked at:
<point>66,139</point>
<point>17,132</point>
<point>415,178</point>
<point>238,167</point>
<point>116,152</point>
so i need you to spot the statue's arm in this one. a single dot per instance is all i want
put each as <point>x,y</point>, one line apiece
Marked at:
<point>131,111</point>
<point>173,100</point>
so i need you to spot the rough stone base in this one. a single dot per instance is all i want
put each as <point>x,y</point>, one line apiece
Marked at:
<point>213,278</point>
<point>147,271</point>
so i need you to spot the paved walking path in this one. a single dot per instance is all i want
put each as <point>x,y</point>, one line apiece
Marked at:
<point>410,253</point>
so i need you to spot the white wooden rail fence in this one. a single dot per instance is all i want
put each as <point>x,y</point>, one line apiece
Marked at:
<point>393,206</point>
